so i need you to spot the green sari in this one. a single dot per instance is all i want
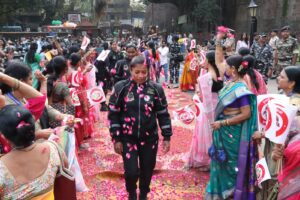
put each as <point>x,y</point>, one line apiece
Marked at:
<point>34,67</point>
<point>236,175</point>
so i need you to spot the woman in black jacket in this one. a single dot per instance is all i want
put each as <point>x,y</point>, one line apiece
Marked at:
<point>135,106</point>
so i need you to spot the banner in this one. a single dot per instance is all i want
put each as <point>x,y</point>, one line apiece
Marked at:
<point>202,58</point>
<point>76,78</point>
<point>96,95</point>
<point>193,44</point>
<point>85,42</point>
<point>74,97</point>
<point>262,171</point>
<point>193,64</point>
<point>103,55</point>
<point>279,120</point>
<point>186,115</point>
<point>262,107</point>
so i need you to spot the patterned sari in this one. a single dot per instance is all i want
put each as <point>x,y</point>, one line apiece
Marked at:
<point>234,177</point>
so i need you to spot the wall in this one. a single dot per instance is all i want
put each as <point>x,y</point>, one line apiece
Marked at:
<point>270,15</point>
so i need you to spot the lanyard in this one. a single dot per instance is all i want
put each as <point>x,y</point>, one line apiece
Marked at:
<point>13,98</point>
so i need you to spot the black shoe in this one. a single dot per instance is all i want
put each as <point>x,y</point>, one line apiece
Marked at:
<point>143,196</point>
<point>132,196</point>
<point>104,108</point>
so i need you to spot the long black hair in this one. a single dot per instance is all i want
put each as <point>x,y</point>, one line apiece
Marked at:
<point>293,74</point>
<point>250,70</point>
<point>30,57</point>
<point>217,85</point>
<point>59,65</point>
<point>17,70</point>
<point>17,125</point>
<point>151,45</point>
<point>246,39</point>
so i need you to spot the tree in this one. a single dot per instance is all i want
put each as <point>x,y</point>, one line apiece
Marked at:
<point>50,9</point>
<point>207,11</point>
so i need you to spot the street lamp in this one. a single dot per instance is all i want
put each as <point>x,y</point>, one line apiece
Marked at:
<point>253,11</point>
<point>173,24</point>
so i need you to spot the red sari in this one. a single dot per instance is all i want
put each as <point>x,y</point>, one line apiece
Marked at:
<point>85,129</point>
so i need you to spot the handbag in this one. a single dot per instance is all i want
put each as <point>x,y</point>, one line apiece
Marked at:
<point>218,154</point>
<point>64,184</point>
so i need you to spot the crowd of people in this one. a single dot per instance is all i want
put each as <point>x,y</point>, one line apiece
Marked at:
<point>37,98</point>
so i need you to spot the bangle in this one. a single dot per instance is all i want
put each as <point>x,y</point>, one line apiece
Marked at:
<point>227,122</point>
<point>218,43</point>
<point>16,84</point>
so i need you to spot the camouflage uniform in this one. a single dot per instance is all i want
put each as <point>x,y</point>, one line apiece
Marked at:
<point>174,63</point>
<point>264,58</point>
<point>286,50</point>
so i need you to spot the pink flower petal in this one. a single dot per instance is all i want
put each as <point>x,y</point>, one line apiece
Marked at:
<point>127,155</point>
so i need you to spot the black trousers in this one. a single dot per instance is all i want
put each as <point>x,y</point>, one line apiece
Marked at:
<point>174,71</point>
<point>139,162</point>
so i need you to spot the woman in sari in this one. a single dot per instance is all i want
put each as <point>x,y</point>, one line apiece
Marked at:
<point>232,153</point>
<point>33,59</point>
<point>289,82</point>
<point>253,78</point>
<point>189,75</point>
<point>209,84</point>
<point>29,170</point>
<point>35,101</point>
<point>57,90</point>
<point>153,60</point>
<point>82,111</point>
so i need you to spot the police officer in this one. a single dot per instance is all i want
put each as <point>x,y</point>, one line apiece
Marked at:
<point>135,106</point>
<point>286,52</point>
<point>175,60</point>
<point>263,53</point>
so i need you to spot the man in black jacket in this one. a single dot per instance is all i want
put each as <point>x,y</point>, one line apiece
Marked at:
<point>113,57</point>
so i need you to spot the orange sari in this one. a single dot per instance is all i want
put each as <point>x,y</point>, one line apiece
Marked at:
<point>189,75</point>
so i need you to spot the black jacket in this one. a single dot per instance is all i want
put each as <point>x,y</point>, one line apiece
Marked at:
<point>113,58</point>
<point>122,70</point>
<point>134,110</point>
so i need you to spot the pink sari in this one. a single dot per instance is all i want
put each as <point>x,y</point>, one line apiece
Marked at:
<point>289,179</point>
<point>202,137</point>
<point>262,85</point>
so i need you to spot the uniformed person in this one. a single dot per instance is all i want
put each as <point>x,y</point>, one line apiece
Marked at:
<point>175,60</point>
<point>135,106</point>
<point>286,52</point>
<point>263,53</point>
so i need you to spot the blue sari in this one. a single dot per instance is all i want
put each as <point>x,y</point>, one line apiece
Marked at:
<point>236,176</point>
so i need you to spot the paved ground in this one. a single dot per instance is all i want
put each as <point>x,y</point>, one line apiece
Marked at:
<point>272,86</point>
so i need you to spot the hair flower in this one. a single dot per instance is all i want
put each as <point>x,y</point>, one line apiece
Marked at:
<point>22,123</point>
<point>245,64</point>
<point>222,29</point>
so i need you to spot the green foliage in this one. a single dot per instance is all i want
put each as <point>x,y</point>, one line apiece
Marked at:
<point>207,11</point>
<point>48,9</point>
